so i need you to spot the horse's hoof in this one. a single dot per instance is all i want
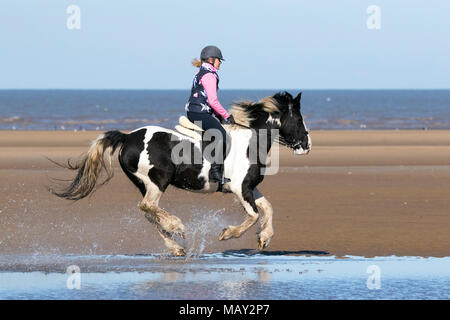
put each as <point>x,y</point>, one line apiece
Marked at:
<point>261,244</point>
<point>179,253</point>
<point>222,234</point>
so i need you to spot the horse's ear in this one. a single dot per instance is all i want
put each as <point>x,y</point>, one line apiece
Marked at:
<point>285,94</point>
<point>297,100</point>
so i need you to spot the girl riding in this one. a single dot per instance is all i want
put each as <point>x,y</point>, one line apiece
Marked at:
<point>204,107</point>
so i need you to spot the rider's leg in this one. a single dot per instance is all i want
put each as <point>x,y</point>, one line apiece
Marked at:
<point>208,121</point>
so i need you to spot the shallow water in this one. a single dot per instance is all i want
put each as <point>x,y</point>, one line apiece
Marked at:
<point>241,274</point>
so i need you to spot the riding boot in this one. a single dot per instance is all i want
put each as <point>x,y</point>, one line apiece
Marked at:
<point>216,174</point>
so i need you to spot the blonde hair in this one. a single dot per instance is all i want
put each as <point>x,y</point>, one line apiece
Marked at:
<point>196,63</point>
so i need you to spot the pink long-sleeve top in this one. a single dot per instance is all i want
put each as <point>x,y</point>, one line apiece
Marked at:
<point>209,82</point>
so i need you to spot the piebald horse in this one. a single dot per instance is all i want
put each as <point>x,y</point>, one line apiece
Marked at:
<point>145,156</point>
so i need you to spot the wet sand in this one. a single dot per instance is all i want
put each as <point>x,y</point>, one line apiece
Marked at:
<point>362,193</point>
<point>227,276</point>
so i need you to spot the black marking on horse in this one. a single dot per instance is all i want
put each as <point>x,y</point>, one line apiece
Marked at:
<point>136,181</point>
<point>163,168</point>
<point>131,150</point>
<point>251,180</point>
<point>165,172</point>
<point>129,157</point>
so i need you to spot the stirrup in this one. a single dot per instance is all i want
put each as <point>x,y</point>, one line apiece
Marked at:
<point>224,180</point>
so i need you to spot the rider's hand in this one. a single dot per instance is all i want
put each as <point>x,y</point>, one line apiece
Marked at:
<point>230,120</point>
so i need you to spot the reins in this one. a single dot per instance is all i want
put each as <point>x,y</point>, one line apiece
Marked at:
<point>240,125</point>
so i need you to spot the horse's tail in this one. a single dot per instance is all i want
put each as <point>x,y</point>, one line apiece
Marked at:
<point>91,165</point>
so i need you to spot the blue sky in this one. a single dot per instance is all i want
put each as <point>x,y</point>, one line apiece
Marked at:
<point>267,44</point>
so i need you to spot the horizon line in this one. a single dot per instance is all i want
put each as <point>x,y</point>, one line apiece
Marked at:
<point>235,89</point>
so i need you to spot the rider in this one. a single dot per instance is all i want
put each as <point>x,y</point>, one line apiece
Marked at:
<point>203,105</point>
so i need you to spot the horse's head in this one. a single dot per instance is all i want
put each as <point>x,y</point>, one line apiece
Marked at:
<point>293,131</point>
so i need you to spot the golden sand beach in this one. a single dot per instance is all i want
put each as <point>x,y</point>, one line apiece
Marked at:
<point>365,193</point>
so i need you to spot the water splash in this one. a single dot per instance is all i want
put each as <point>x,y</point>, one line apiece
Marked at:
<point>202,229</point>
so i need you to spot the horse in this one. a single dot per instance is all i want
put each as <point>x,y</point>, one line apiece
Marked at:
<point>146,158</point>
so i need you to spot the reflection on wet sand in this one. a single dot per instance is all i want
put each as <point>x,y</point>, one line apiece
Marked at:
<point>223,276</point>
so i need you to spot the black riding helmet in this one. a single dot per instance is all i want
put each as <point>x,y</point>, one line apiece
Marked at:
<point>211,52</point>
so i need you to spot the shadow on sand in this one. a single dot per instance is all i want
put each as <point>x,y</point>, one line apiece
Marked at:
<point>239,253</point>
<point>252,252</point>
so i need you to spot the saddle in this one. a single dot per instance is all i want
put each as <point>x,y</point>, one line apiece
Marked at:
<point>187,128</point>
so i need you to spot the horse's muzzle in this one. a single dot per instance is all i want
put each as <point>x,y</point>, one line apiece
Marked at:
<point>300,151</point>
<point>303,148</point>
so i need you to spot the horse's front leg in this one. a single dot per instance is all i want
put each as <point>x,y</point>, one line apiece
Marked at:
<point>266,210</point>
<point>247,200</point>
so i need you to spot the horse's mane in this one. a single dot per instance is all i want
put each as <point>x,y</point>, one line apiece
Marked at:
<point>244,112</point>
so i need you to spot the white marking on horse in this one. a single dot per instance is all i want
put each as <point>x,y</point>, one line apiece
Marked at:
<point>240,139</point>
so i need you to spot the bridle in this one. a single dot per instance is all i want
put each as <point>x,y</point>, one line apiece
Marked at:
<point>241,125</point>
<point>292,146</point>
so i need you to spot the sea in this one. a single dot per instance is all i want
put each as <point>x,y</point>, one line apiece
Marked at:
<point>79,110</point>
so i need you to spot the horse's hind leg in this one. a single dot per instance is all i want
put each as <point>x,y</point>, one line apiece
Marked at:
<point>248,202</point>
<point>167,225</point>
<point>170,243</point>
<point>152,182</point>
